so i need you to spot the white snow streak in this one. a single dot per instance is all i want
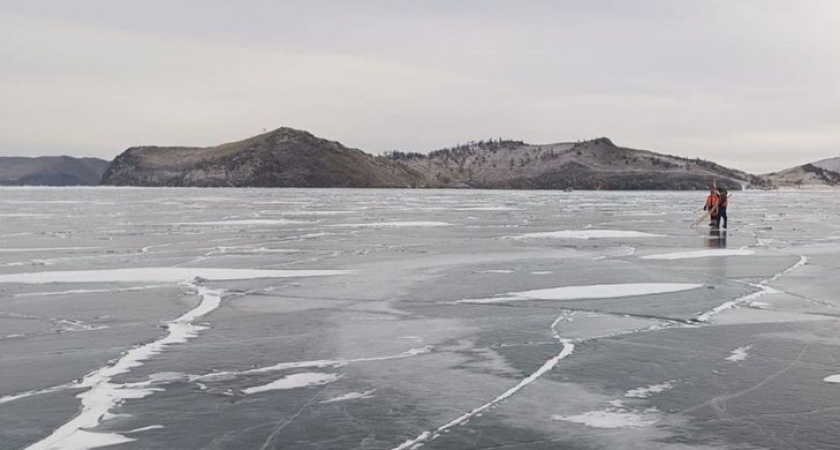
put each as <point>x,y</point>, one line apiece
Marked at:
<point>233,223</point>
<point>43,249</point>
<point>297,380</point>
<point>588,291</point>
<point>763,290</point>
<point>568,348</point>
<point>586,234</point>
<point>157,274</point>
<point>102,395</point>
<point>699,254</point>
<point>391,224</point>
<point>646,392</point>
<point>351,396</point>
<point>611,419</point>
<point>316,364</point>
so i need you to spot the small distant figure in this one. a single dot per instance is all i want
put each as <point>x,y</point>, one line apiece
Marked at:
<point>712,206</point>
<point>722,204</point>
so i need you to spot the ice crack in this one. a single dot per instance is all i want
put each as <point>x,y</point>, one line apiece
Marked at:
<point>102,394</point>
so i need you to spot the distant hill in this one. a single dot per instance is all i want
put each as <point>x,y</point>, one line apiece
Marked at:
<point>825,172</point>
<point>594,164</point>
<point>51,171</point>
<point>281,158</point>
<point>293,158</point>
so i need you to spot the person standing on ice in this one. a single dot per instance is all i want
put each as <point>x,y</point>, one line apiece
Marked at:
<point>723,202</point>
<point>712,204</point>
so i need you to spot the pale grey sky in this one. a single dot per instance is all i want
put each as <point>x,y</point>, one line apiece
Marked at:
<point>753,84</point>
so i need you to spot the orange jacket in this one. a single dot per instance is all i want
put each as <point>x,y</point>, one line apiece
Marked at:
<point>712,202</point>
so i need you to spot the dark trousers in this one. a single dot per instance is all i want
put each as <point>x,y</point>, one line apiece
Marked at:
<point>722,216</point>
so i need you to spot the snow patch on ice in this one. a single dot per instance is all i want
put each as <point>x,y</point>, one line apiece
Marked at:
<point>85,440</point>
<point>739,354</point>
<point>351,396</point>
<point>149,428</point>
<point>700,254</point>
<point>616,415</point>
<point>588,291</point>
<point>310,213</point>
<point>297,380</point>
<point>645,392</point>
<point>65,325</point>
<point>391,224</point>
<point>568,348</point>
<point>102,395</point>
<point>18,396</point>
<point>89,291</point>
<point>157,274</point>
<point>316,364</point>
<point>586,234</point>
<point>487,208</point>
<point>611,419</point>
<point>763,289</point>
<point>44,249</point>
<point>224,223</point>
<point>759,305</point>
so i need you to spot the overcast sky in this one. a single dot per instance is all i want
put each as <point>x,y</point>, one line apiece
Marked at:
<point>754,84</point>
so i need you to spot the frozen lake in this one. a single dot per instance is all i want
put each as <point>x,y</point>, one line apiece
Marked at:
<point>402,319</point>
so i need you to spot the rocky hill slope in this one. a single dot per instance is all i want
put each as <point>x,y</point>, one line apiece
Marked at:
<point>821,173</point>
<point>595,164</point>
<point>294,158</point>
<point>281,158</point>
<point>51,171</point>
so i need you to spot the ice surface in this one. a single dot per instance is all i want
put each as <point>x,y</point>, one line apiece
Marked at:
<point>404,319</point>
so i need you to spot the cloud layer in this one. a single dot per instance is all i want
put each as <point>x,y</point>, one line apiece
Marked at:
<point>752,84</point>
